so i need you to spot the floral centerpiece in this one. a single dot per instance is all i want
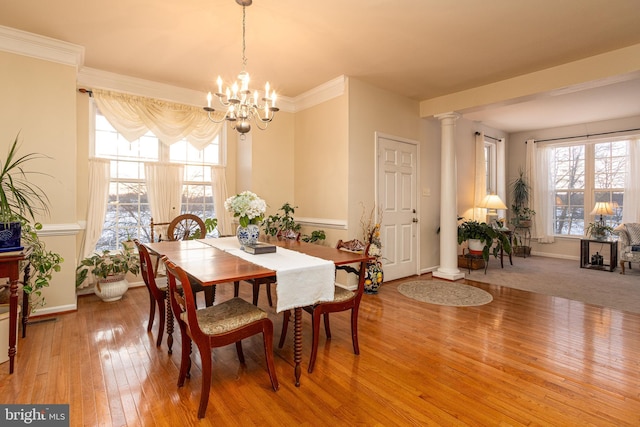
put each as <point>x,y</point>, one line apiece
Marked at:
<point>371,235</point>
<point>249,209</point>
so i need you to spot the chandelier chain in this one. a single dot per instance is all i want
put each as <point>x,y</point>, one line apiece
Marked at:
<point>244,44</point>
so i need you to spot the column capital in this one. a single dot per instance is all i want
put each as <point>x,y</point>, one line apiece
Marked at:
<point>452,115</point>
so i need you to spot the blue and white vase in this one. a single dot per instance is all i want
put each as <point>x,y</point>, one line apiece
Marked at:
<point>248,235</point>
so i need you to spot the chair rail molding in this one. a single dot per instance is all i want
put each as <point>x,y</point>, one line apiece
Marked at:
<point>338,224</point>
<point>60,229</point>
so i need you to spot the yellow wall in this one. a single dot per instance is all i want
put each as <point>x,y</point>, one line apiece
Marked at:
<point>272,162</point>
<point>38,99</point>
<point>321,164</point>
<point>373,110</point>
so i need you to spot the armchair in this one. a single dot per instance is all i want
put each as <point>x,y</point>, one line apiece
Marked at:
<point>628,243</point>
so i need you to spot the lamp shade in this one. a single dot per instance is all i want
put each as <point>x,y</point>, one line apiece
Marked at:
<point>492,201</point>
<point>602,208</point>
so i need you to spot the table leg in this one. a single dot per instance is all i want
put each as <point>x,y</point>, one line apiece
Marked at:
<point>297,343</point>
<point>13,322</point>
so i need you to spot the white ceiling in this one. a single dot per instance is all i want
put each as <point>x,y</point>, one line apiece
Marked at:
<point>418,48</point>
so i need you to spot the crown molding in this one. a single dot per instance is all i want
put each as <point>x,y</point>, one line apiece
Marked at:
<point>40,47</point>
<point>322,93</point>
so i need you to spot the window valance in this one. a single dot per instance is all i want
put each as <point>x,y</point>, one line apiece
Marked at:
<point>133,116</point>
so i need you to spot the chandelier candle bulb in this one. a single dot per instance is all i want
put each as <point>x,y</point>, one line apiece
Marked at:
<point>273,99</point>
<point>219,86</point>
<point>209,97</point>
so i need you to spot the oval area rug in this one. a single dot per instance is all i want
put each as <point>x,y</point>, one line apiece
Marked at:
<point>445,293</point>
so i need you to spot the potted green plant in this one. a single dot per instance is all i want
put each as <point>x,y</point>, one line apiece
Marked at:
<point>284,222</point>
<point>598,230</point>
<point>20,201</point>
<point>486,239</point>
<point>281,222</point>
<point>110,268</point>
<point>520,191</point>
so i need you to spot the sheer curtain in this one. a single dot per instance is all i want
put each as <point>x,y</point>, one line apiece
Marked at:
<point>220,194</point>
<point>164,189</point>
<point>99,175</point>
<point>480,190</point>
<point>539,169</point>
<point>132,116</point>
<point>631,203</point>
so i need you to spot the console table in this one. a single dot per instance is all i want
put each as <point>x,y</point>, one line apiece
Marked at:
<point>10,268</point>
<point>613,254</point>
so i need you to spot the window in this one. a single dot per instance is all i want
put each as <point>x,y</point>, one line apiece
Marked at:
<point>586,173</point>
<point>128,212</point>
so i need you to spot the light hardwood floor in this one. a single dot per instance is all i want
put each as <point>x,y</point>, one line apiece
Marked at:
<point>524,359</point>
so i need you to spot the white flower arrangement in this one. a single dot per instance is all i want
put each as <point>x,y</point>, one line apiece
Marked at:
<point>247,206</point>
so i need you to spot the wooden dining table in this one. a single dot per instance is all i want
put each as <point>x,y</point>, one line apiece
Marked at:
<point>210,266</point>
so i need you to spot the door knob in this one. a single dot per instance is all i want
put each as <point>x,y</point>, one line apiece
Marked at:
<point>415,219</point>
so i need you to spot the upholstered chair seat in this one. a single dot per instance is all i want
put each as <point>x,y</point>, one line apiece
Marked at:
<point>226,316</point>
<point>628,244</point>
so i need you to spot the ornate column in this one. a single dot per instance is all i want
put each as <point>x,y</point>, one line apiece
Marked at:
<point>448,201</point>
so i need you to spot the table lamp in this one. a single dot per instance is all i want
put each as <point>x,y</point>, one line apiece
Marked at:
<point>492,203</point>
<point>602,208</point>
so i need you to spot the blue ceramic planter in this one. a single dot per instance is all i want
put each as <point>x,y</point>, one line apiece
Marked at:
<point>10,236</point>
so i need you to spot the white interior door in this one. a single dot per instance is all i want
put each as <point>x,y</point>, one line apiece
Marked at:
<point>396,169</point>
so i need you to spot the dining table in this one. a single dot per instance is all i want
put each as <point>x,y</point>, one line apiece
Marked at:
<point>304,272</point>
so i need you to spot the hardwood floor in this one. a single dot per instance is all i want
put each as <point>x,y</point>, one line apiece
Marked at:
<point>524,359</point>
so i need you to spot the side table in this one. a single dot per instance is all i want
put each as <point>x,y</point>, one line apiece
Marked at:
<point>612,260</point>
<point>10,268</point>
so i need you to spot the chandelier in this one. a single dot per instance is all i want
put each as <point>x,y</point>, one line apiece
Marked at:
<point>242,105</point>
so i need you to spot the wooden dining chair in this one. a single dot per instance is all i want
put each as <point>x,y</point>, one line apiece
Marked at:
<point>158,294</point>
<point>267,281</point>
<point>343,300</point>
<point>184,227</point>
<point>225,323</point>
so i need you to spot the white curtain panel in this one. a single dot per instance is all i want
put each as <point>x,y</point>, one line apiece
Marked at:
<point>164,190</point>
<point>220,194</point>
<point>501,172</point>
<point>631,202</point>
<point>480,190</point>
<point>99,175</point>
<point>539,170</point>
<point>132,116</point>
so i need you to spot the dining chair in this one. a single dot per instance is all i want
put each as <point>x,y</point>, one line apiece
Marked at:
<point>159,294</point>
<point>343,300</point>
<point>226,323</point>
<point>184,227</point>
<point>267,281</point>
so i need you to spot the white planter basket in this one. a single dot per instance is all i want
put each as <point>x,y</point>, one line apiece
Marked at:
<point>112,288</point>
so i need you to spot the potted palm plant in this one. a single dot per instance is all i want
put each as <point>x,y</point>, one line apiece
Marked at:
<point>110,269</point>
<point>20,201</point>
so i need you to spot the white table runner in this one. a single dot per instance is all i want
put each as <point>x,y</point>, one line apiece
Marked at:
<point>302,279</point>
